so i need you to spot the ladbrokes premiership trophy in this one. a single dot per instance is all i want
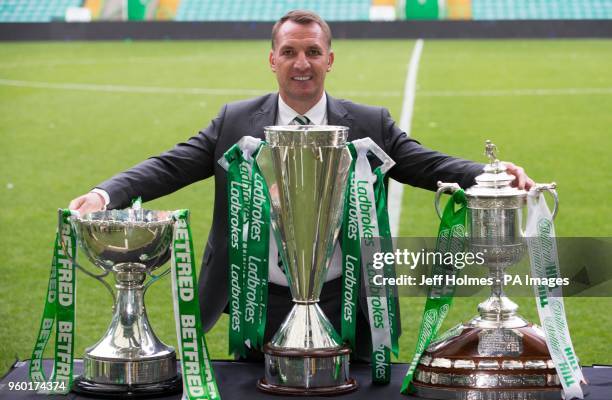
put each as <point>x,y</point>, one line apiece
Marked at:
<point>306,169</point>
<point>130,244</point>
<point>306,181</point>
<point>498,355</point>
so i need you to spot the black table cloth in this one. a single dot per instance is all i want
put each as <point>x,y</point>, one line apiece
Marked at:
<point>237,380</point>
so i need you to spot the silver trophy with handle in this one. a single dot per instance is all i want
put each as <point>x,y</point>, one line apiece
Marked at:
<point>129,360</point>
<point>497,355</point>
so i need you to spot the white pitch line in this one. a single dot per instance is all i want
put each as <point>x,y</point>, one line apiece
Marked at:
<point>410,87</point>
<point>129,89</point>
<point>95,87</point>
<point>515,92</point>
<point>202,58</point>
<point>396,189</point>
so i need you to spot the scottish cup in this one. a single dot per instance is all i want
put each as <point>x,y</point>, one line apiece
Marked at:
<point>497,355</point>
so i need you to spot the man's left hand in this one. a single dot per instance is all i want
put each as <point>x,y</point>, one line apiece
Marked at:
<point>521,180</point>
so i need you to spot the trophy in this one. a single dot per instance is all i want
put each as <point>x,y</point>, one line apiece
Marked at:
<point>306,169</point>
<point>129,360</point>
<point>497,355</point>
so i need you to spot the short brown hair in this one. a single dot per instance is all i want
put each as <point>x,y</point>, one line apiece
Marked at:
<point>302,17</point>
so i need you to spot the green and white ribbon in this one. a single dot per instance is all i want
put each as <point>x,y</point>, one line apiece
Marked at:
<point>540,233</point>
<point>362,188</point>
<point>59,311</point>
<point>249,224</point>
<point>256,297</point>
<point>351,259</point>
<point>198,377</point>
<point>384,229</point>
<point>451,238</point>
<point>237,177</point>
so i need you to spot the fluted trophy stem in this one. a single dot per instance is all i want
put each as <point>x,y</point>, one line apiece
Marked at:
<point>129,307</point>
<point>498,307</point>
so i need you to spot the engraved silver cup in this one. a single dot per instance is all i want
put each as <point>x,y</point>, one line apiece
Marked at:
<point>497,355</point>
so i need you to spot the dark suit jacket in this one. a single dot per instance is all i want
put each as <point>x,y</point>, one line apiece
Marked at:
<point>196,159</point>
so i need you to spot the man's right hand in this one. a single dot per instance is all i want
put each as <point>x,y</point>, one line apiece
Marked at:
<point>90,202</point>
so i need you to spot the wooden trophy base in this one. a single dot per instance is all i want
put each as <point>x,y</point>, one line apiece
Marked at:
<point>488,364</point>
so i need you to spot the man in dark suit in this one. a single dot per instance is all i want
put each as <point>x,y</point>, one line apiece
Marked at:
<point>300,57</point>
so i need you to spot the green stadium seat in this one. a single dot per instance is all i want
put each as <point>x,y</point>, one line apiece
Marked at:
<point>35,10</point>
<point>541,9</point>
<point>270,10</point>
<point>331,10</point>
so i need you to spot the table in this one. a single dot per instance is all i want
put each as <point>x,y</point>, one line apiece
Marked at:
<point>237,380</point>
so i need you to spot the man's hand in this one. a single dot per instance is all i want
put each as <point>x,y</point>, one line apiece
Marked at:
<point>521,180</point>
<point>90,202</point>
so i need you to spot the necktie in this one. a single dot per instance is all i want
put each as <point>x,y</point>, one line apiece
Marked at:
<point>301,120</point>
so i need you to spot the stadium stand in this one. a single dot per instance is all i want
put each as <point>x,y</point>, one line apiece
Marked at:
<point>541,9</point>
<point>458,9</point>
<point>94,7</point>
<point>35,10</point>
<point>331,10</point>
<point>166,9</point>
<point>270,10</point>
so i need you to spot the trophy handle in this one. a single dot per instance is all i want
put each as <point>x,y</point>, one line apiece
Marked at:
<point>154,278</point>
<point>550,188</point>
<point>98,278</point>
<point>444,187</point>
<point>95,276</point>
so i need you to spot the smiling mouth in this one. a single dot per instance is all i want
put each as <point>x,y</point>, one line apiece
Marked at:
<point>301,78</point>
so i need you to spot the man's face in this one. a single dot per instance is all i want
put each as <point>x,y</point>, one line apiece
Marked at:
<point>300,59</point>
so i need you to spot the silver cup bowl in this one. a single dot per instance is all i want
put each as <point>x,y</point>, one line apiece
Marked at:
<point>114,237</point>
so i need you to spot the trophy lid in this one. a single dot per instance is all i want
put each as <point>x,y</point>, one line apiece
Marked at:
<point>494,181</point>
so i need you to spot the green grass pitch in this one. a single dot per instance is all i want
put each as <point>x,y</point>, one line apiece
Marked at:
<point>546,104</point>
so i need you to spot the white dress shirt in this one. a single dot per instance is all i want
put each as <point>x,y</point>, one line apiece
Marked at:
<point>317,114</point>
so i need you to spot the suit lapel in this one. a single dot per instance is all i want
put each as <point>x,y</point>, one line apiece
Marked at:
<point>265,116</point>
<point>337,115</point>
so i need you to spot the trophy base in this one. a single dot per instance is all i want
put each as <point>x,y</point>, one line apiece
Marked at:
<point>86,387</point>
<point>312,372</point>
<point>471,362</point>
<point>108,371</point>
<point>433,392</point>
<point>266,387</point>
